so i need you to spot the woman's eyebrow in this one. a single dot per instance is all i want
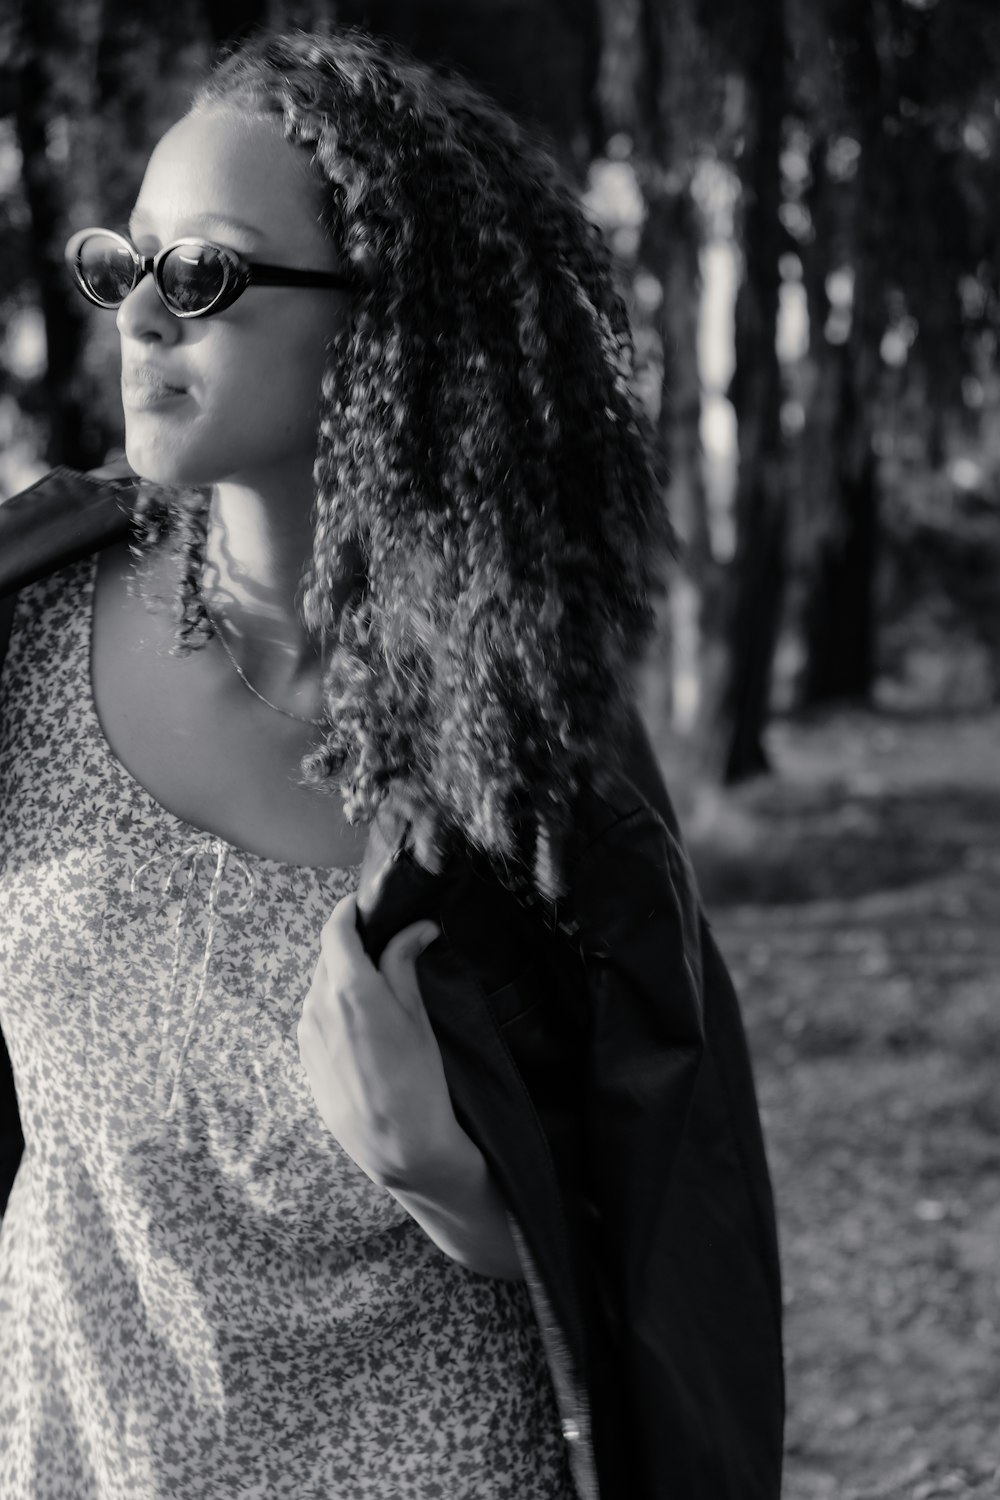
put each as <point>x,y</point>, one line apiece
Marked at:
<point>206,222</point>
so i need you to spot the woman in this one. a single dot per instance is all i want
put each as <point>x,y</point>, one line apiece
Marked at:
<point>297,1215</point>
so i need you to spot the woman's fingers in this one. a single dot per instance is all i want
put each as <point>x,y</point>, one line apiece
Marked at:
<point>370,1055</point>
<point>350,999</point>
<point>350,971</point>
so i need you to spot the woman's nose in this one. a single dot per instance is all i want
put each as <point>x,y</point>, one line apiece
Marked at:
<point>143,316</point>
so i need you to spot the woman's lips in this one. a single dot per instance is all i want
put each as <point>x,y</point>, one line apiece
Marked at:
<point>142,389</point>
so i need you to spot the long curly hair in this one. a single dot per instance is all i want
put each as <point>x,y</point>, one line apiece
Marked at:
<point>480,443</point>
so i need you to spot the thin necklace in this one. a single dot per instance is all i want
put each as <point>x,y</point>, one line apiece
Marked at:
<point>285,712</point>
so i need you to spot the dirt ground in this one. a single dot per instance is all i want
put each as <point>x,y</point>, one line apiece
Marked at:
<point>856,895</point>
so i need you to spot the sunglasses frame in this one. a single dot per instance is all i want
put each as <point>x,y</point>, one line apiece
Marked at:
<point>239,272</point>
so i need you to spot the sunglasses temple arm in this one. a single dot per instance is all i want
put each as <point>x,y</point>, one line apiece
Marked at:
<point>260,275</point>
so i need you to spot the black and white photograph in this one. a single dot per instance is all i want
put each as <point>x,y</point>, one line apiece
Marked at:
<point>500,750</point>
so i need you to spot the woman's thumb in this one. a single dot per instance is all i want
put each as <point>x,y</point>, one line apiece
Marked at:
<point>402,951</point>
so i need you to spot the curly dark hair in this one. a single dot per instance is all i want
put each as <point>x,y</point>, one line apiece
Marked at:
<point>479,441</point>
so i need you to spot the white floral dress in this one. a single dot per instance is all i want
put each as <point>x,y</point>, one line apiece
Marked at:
<point>200,1294</point>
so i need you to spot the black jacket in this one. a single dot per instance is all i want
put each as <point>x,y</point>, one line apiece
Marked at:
<point>599,1061</point>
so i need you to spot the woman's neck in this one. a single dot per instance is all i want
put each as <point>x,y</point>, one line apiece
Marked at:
<point>255,554</point>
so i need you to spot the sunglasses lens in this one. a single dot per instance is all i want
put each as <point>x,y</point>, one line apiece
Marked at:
<point>193,277</point>
<point>106,268</point>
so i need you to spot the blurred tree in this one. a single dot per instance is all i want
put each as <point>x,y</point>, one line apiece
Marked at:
<point>899,102</point>
<point>43,102</point>
<point>673,122</point>
<point>658,91</point>
<point>839,613</point>
<point>231,20</point>
<point>755,589</point>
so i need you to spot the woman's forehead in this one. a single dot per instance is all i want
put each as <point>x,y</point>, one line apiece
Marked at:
<point>231,175</point>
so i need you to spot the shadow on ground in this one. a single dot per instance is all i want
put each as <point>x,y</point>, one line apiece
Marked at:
<point>831,841</point>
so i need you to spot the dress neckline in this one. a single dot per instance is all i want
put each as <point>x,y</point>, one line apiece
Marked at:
<point>133,787</point>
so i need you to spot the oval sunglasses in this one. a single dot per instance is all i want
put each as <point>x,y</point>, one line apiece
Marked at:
<point>192,277</point>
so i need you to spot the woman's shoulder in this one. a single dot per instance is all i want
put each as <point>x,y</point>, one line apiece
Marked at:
<point>61,518</point>
<point>628,869</point>
<point>45,622</point>
<point>56,522</point>
<point>625,845</point>
<point>625,797</point>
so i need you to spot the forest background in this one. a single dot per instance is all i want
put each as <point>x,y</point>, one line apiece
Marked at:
<point>803,201</point>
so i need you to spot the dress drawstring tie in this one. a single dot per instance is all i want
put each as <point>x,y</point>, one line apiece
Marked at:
<point>181,871</point>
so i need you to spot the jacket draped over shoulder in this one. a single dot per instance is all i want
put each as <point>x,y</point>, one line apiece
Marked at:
<point>596,1054</point>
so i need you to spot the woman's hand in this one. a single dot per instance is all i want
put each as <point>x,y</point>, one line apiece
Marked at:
<point>375,1071</point>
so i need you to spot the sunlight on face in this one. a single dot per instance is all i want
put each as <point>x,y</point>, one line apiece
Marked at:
<point>233,396</point>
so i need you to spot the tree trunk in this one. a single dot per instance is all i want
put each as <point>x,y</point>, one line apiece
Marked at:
<point>650,79</point>
<point>839,618</point>
<point>230,21</point>
<point>757,573</point>
<point>670,252</point>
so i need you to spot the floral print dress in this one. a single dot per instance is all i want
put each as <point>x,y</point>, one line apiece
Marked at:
<point>201,1295</point>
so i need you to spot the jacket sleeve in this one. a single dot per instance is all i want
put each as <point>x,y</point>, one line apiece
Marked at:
<point>681,1196</point>
<point>634,897</point>
<point>635,901</point>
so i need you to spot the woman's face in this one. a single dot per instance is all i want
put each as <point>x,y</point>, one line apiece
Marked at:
<point>233,396</point>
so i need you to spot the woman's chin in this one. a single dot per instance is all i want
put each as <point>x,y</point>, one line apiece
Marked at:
<point>159,466</point>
